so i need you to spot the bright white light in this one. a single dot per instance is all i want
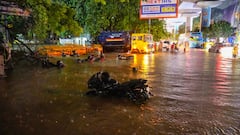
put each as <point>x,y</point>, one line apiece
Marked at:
<point>226,52</point>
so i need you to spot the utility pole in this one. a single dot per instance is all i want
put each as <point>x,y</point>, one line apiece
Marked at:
<point>149,26</point>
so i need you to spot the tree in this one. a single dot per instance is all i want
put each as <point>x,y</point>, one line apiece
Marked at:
<point>46,18</point>
<point>218,29</point>
<point>182,28</point>
<point>113,15</point>
<point>158,30</point>
<point>196,24</point>
<point>61,20</point>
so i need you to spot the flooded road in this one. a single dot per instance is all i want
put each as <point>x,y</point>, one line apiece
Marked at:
<point>194,93</point>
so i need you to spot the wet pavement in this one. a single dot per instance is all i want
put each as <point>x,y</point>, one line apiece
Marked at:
<point>194,93</point>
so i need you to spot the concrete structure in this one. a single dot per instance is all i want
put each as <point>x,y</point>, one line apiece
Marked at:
<point>75,40</point>
<point>189,9</point>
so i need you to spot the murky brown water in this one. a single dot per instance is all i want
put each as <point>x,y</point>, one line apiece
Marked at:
<point>195,93</point>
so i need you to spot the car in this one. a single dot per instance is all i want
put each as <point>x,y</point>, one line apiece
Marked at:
<point>223,48</point>
<point>216,48</point>
<point>166,45</point>
<point>207,45</point>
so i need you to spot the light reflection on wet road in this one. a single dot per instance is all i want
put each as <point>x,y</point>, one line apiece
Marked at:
<point>195,93</point>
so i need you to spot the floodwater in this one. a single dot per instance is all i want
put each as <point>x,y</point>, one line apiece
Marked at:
<point>194,93</point>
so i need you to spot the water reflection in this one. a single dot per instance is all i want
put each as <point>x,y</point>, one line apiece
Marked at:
<point>195,93</point>
<point>145,63</point>
<point>223,85</point>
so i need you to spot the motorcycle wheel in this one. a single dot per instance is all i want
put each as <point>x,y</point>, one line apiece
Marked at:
<point>138,96</point>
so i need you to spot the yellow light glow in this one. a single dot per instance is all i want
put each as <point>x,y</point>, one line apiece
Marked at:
<point>208,46</point>
<point>145,61</point>
<point>146,50</point>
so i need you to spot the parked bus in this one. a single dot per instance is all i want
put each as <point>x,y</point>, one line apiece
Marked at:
<point>196,40</point>
<point>142,43</point>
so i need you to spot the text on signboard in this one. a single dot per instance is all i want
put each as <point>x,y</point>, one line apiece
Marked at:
<point>168,9</point>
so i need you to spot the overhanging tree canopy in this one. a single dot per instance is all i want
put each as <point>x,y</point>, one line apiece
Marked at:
<point>46,16</point>
<point>218,29</point>
<point>113,15</point>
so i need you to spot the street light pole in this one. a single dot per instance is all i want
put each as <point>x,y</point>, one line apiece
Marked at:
<point>149,25</point>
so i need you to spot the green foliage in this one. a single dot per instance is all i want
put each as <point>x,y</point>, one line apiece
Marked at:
<point>218,29</point>
<point>40,18</point>
<point>60,20</point>
<point>196,24</point>
<point>47,17</point>
<point>181,28</point>
<point>158,30</point>
<point>71,17</point>
<point>15,28</point>
<point>113,15</point>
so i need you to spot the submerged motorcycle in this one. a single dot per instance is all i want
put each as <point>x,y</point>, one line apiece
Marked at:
<point>136,90</point>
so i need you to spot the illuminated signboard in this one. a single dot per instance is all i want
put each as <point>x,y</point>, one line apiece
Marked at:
<point>206,17</point>
<point>158,9</point>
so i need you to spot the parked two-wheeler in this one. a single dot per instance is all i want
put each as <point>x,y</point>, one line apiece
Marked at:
<point>135,90</point>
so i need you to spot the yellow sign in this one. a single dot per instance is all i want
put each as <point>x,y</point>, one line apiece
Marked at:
<point>168,9</point>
